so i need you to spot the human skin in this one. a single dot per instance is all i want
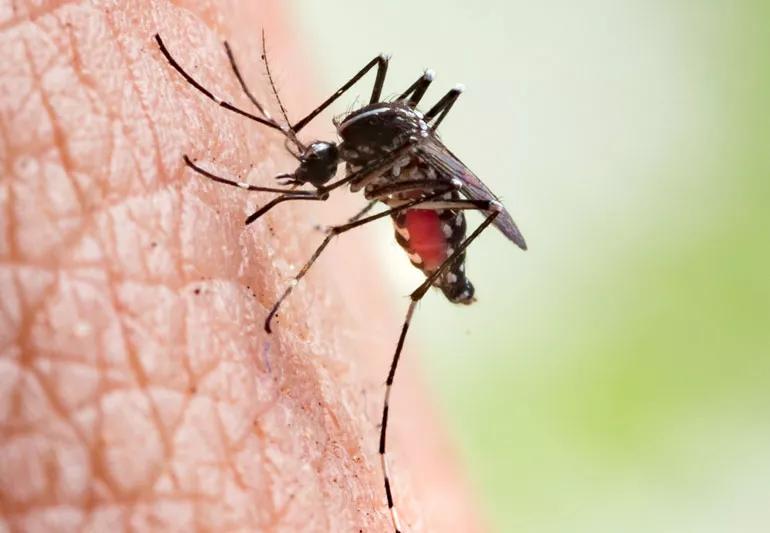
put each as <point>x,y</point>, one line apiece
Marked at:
<point>138,390</point>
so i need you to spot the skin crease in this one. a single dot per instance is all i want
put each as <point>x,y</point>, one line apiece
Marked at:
<point>138,390</point>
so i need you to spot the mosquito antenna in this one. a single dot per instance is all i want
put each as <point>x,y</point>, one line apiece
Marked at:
<point>289,131</point>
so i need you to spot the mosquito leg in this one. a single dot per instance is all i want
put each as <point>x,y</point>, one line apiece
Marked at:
<point>227,105</point>
<point>381,193</point>
<point>241,184</point>
<point>246,90</point>
<point>321,194</point>
<point>376,195</point>
<point>415,297</point>
<point>363,211</point>
<point>416,91</point>
<point>333,232</point>
<point>480,205</point>
<point>379,80</point>
<point>311,195</point>
<point>443,106</point>
<point>382,67</point>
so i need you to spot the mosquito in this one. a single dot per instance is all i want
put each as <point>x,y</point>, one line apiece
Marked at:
<point>392,153</point>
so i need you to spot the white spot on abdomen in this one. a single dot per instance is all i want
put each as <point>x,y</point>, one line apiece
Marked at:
<point>416,259</point>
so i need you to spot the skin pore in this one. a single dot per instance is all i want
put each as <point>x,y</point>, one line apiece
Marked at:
<point>138,390</point>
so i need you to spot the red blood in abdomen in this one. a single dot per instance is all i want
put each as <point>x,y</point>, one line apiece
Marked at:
<point>426,238</point>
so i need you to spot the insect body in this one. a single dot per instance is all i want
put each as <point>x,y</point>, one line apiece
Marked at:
<point>392,153</point>
<point>429,236</point>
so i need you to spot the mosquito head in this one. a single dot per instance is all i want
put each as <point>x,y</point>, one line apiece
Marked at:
<point>318,163</point>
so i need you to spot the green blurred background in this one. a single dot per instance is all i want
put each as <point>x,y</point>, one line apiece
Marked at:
<point>616,376</point>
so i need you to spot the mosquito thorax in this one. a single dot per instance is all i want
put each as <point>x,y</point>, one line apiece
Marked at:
<point>318,163</point>
<point>378,129</point>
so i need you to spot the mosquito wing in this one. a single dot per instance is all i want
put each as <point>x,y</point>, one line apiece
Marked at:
<point>445,162</point>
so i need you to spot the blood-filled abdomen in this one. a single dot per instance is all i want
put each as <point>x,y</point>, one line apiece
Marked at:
<point>430,237</point>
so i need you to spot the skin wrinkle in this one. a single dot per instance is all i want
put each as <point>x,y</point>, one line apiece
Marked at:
<point>8,242</point>
<point>80,70</point>
<point>160,171</point>
<point>136,391</point>
<point>58,135</point>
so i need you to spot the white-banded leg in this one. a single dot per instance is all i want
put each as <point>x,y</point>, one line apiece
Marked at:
<point>415,297</point>
<point>379,194</point>
<point>208,94</point>
<point>442,107</point>
<point>416,91</point>
<point>384,191</point>
<point>241,184</point>
<point>368,207</point>
<point>482,205</point>
<point>427,185</point>
<point>381,61</point>
<point>337,230</point>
